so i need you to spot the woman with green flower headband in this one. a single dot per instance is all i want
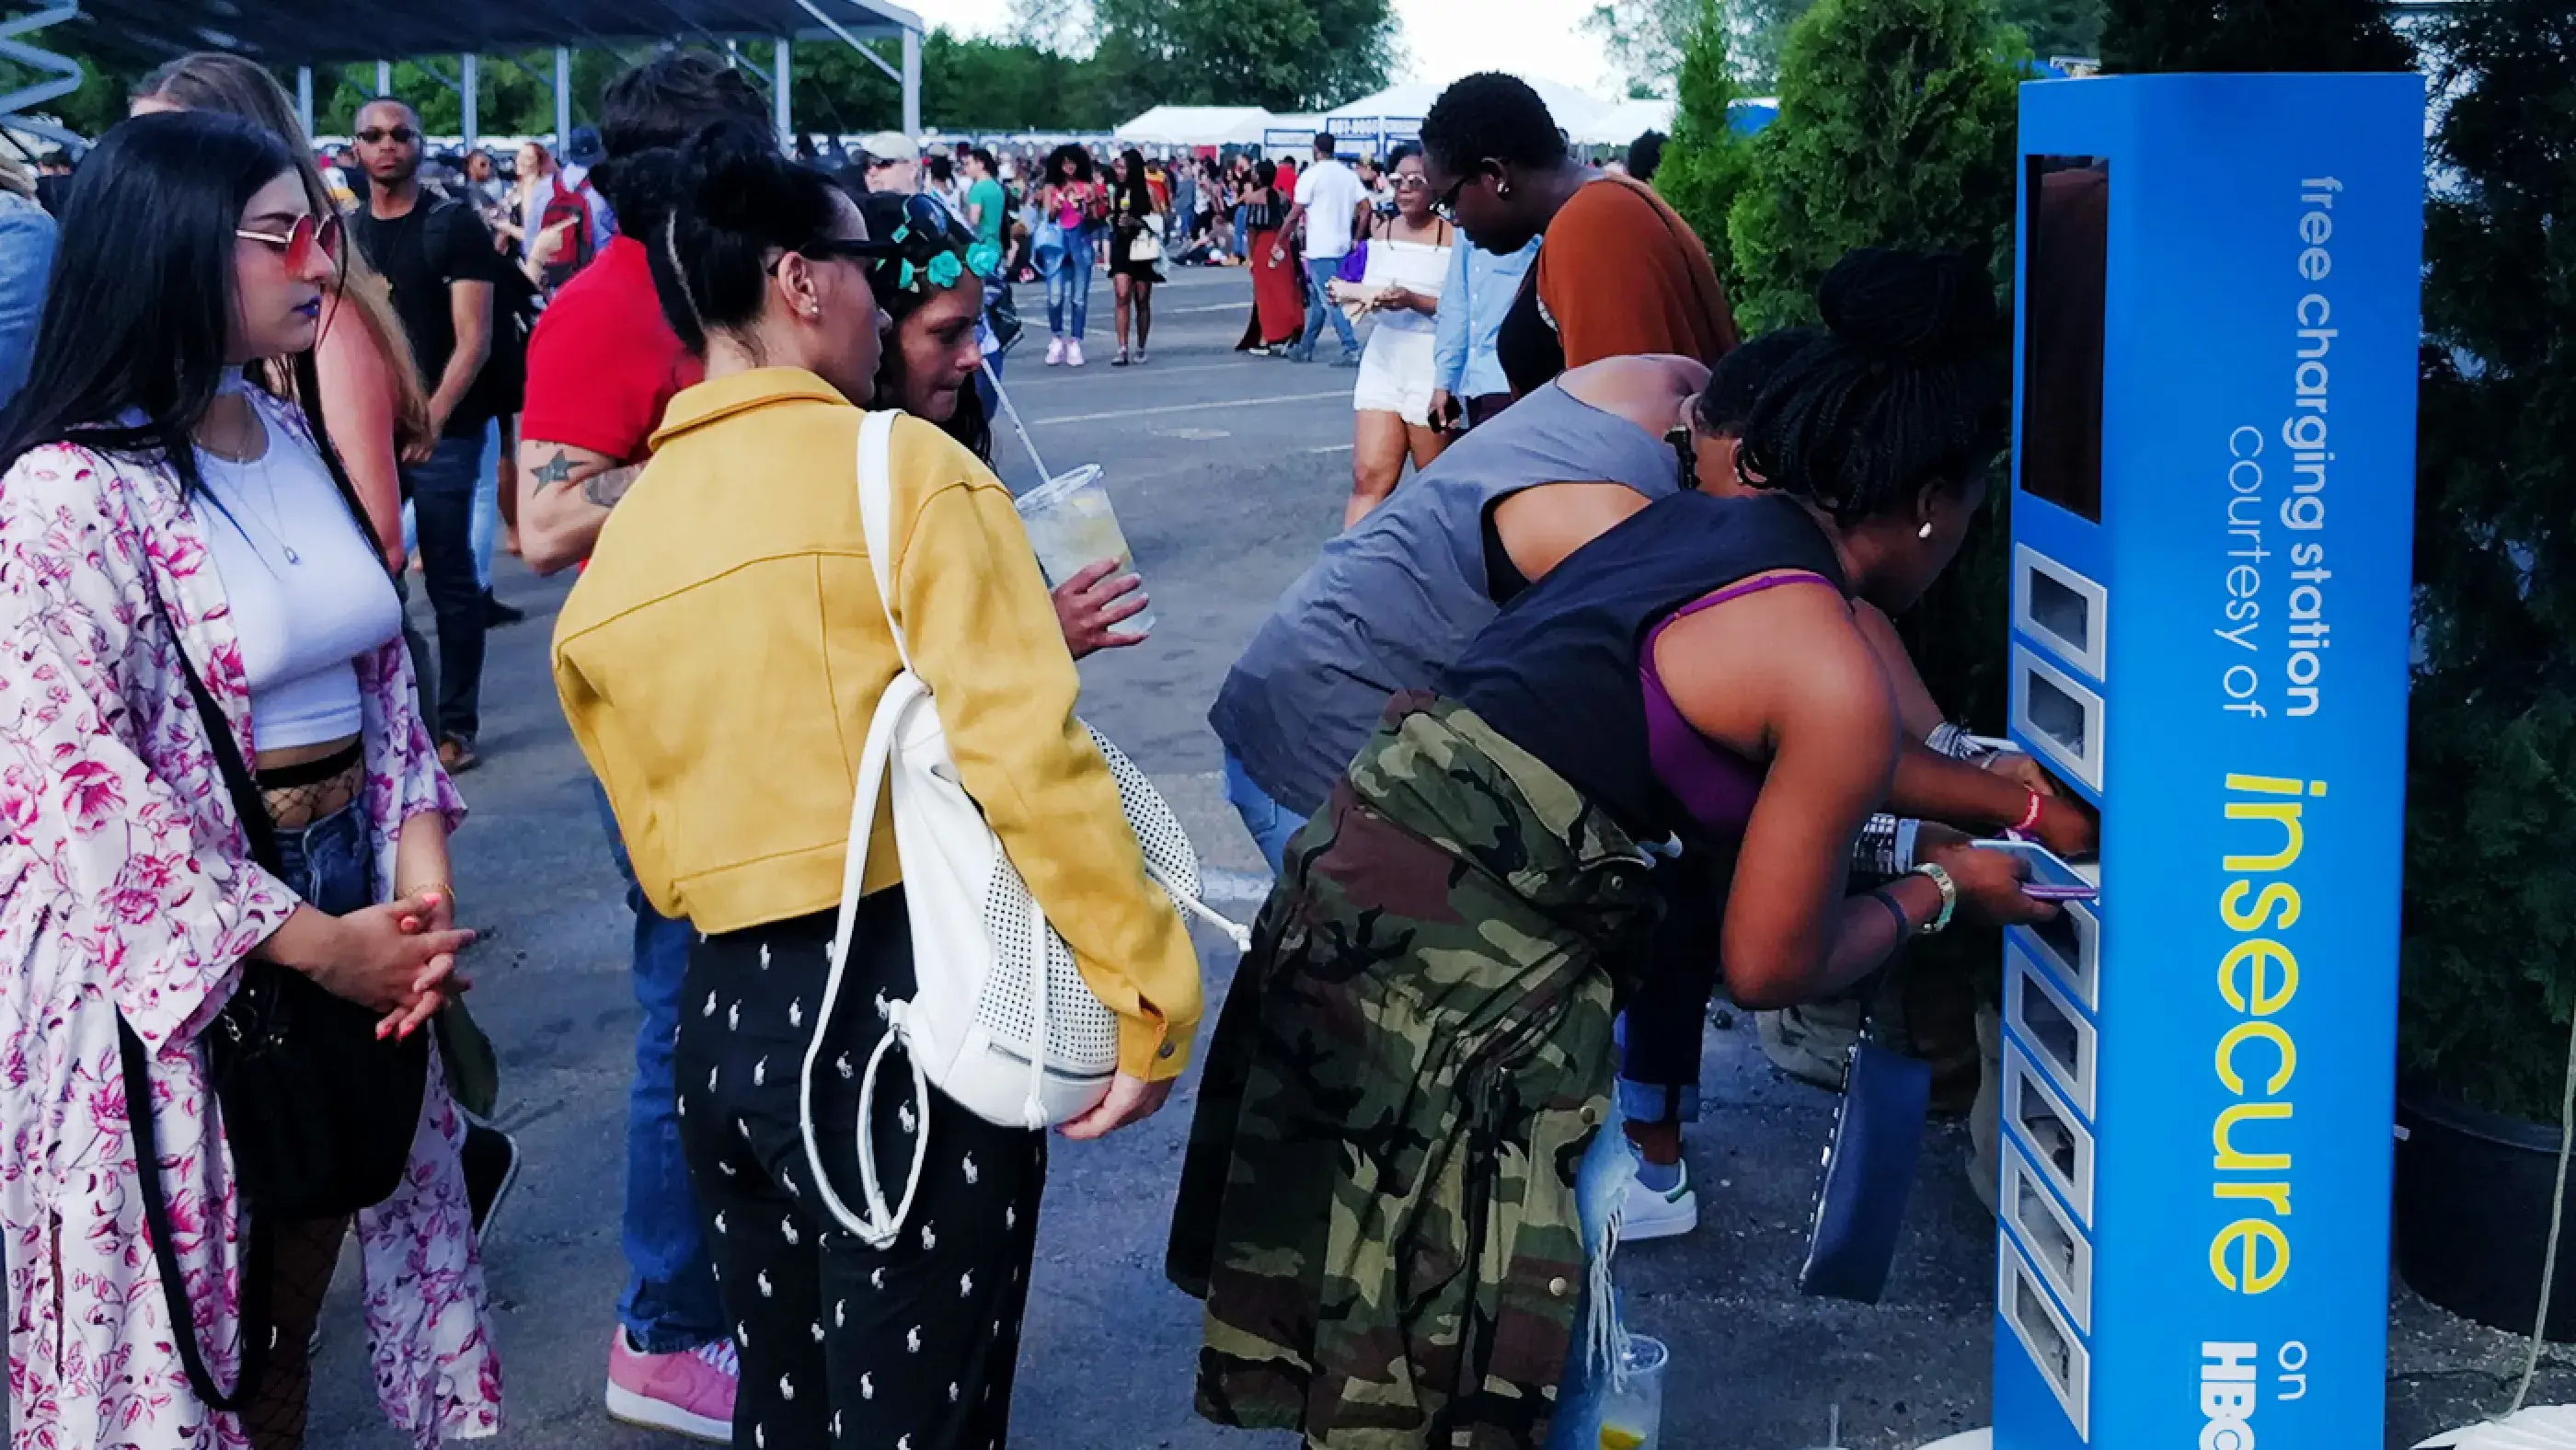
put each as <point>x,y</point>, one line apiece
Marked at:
<point>933,290</point>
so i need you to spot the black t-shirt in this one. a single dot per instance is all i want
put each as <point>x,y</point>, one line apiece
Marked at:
<point>438,242</point>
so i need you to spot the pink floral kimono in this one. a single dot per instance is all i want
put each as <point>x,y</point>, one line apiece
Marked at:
<point>126,886</point>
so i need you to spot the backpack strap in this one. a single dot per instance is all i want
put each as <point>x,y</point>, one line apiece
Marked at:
<point>879,1225</point>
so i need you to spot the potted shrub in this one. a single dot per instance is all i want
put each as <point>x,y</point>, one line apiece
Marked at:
<point>2491,771</point>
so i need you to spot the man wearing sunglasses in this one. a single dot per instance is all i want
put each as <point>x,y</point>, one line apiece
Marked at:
<point>441,264</point>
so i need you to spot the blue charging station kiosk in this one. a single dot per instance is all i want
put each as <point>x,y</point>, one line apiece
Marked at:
<point>2212,525</point>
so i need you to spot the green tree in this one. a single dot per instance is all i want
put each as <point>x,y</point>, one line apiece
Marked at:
<point>2057,27</point>
<point>1757,30</point>
<point>1895,129</point>
<point>1644,41</point>
<point>2491,758</point>
<point>1288,55</point>
<point>2251,35</point>
<point>1706,160</point>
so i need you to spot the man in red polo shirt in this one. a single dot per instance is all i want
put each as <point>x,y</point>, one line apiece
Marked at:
<point>602,366</point>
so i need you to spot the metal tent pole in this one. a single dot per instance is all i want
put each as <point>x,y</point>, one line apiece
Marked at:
<point>563,96</point>
<point>384,78</point>
<point>912,83</point>
<point>780,69</point>
<point>469,91</point>
<point>304,99</point>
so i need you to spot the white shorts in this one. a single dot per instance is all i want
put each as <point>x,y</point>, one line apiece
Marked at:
<point>1395,374</point>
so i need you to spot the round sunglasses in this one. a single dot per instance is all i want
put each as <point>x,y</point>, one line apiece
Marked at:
<point>302,242</point>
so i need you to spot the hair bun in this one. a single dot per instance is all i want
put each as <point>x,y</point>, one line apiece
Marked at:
<point>1915,306</point>
<point>736,180</point>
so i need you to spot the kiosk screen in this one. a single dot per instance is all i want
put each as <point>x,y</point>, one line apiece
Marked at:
<point>2066,232</point>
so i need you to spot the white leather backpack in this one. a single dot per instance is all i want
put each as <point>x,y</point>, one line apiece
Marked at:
<point>1001,1022</point>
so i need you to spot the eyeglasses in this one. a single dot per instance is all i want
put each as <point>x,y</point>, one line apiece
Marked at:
<point>301,242</point>
<point>379,135</point>
<point>1405,181</point>
<point>1445,205</point>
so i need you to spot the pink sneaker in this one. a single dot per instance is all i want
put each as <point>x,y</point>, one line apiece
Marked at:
<point>1073,352</point>
<point>689,1393</point>
<point>1055,351</point>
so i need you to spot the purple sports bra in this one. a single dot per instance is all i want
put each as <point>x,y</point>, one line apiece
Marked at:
<point>1714,784</point>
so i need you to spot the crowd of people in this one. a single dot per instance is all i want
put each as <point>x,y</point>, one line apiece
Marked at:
<point>1598,712</point>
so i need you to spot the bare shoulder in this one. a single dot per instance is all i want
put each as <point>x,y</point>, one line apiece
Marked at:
<point>1640,382</point>
<point>1743,667</point>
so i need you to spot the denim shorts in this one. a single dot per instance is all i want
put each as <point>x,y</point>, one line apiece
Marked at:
<point>331,863</point>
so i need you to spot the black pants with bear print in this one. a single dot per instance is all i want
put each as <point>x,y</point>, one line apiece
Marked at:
<point>908,1348</point>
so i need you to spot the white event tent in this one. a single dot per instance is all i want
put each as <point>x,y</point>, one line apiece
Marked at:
<point>1198,126</point>
<point>1376,123</point>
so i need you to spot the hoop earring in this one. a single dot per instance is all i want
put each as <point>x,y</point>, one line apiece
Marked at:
<point>1925,532</point>
<point>1502,188</point>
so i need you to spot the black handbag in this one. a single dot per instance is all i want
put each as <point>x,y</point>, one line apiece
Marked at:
<point>318,1114</point>
<point>1868,1172</point>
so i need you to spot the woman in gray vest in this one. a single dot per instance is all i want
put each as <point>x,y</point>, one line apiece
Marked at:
<point>1394,600</point>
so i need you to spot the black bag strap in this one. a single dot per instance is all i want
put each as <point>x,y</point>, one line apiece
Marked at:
<point>256,1329</point>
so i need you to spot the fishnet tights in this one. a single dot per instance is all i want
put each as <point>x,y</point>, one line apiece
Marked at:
<point>303,1258</point>
<point>294,807</point>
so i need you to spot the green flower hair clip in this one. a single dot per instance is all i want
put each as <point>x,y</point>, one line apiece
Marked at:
<point>946,270</point>
<point>984,259</point>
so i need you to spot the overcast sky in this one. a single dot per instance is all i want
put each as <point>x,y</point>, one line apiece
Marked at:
<point>1445,39</point>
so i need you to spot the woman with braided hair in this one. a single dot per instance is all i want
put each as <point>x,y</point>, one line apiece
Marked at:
<point>1406,1143</point>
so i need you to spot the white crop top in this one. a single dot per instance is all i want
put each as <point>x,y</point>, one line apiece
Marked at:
<point>307,591</point>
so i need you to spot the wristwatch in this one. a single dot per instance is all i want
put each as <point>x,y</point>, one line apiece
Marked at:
<point>1949,896</point>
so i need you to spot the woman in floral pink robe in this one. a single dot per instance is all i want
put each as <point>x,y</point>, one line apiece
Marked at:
<point>126,887</point>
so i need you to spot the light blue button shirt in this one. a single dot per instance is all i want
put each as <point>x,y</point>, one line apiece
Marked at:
<point>1480,291</point>
<point>26,262</point>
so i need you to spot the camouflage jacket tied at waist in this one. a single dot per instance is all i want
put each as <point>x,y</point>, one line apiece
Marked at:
<point>1378,1204</point>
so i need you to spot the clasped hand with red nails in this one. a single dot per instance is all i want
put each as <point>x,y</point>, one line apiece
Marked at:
<point>398,959</point>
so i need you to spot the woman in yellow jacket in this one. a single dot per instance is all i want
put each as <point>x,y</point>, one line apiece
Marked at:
<point>720,663</point>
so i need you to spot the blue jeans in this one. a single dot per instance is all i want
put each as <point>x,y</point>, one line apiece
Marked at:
<point>442,497</point>
<point>1069,287</point>
<point>1270,823</point>
<point>1242,241</point>
<point>486,528</point>
<point>330,863</point>
<point>670,1303</point>
<point>1319,271</point>
<point>1600,1186</point>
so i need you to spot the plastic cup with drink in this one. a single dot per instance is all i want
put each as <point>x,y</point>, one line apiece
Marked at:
<point>1072,526</point>
<point>1632,1412</point>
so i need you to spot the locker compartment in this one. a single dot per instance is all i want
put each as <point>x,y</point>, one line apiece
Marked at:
<point>2057,716</point>
<point>2062,609</point>
<point>2070,946</point>
<point>2057,1248</point>
<point>2045,1335</point>
<point>2059,1036</point>
<point>2048,1127</point>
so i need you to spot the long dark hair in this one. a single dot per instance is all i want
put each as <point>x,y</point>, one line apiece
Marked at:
<point>1068,158</point>
<point>130,351</point>
<point>893,215</point>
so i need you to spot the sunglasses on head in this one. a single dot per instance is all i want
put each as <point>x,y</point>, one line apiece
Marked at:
<point>302,242</point>
<point>378,135</point>
<point>852,249</point>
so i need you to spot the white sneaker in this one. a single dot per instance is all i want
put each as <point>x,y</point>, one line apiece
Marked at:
<point>1055,351</point>
<point>1652,1215</point>
<point>1073,353</point>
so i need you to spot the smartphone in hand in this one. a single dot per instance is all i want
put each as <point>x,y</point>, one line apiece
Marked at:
<point>2051,879</point>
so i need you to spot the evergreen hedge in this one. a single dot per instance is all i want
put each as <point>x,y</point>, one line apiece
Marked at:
<point>2491,757</point>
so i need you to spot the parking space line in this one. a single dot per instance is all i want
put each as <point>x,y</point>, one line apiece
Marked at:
<point>1187,408</point>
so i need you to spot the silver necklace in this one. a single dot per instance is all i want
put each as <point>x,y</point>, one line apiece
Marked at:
<point>274,524</point>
